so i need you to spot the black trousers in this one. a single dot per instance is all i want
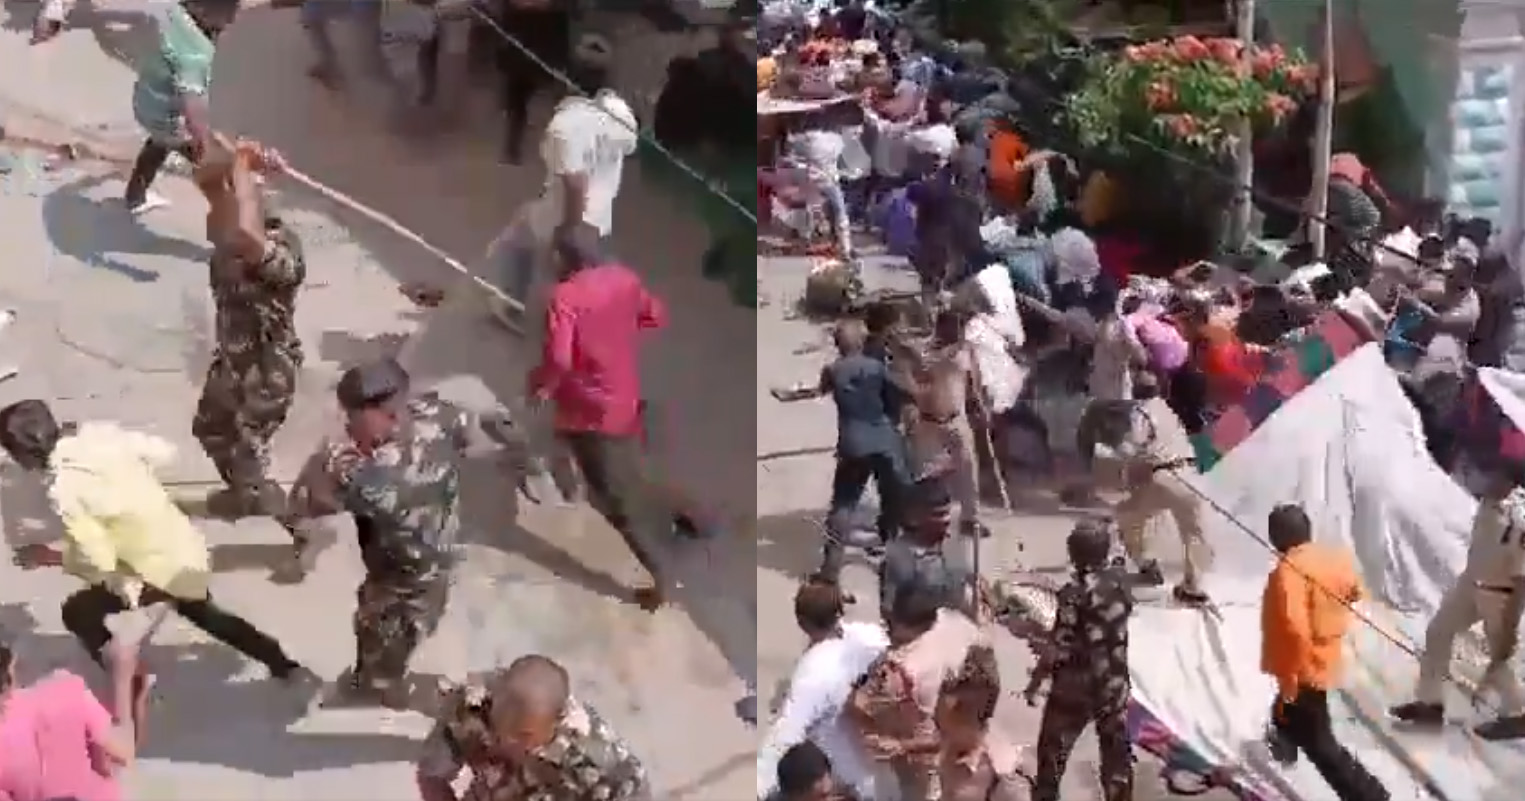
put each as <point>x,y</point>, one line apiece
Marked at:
<point>146,167</point>
<point>85,614</point>
<point>521,80</point>
<point>1305,723</point>
<point>612,471</point>
<point>427,64</point>
<point>888,472</point>
<point>548,35</point>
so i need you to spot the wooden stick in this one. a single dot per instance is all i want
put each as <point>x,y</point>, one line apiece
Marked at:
<point>1006,500</point>
<point>1323,137</point>
<point>398,228</point>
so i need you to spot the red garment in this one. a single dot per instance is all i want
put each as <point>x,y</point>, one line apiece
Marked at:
<point>1230,369</point>
<point>1120,257</point>
<point>591,368</point>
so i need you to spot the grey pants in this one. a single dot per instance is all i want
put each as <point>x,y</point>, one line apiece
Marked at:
<point>613,473</point>
<point>318,16</point>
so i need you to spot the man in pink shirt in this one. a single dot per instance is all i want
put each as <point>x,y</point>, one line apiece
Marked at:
<point>590,373</point>
<point>58,741</point>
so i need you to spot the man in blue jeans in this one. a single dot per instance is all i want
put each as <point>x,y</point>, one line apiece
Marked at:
<point>869,445</point>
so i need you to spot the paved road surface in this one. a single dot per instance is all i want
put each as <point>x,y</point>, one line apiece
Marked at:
<point>114,324</point>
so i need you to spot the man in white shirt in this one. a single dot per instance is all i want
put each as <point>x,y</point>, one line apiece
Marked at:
<point>839,655</point>
<point>995,334</point>
<point>1491,591</point>
<point>820,150</point>
<point>584,149</point>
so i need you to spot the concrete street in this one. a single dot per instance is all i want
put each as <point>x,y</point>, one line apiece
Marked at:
<point>113,323</point>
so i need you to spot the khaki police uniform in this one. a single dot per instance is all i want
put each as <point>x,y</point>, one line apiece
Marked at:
<point>1155,452</point>
<point>1495,563</point>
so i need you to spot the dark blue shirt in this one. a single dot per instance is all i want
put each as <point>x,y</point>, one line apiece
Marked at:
<point>866,401</point>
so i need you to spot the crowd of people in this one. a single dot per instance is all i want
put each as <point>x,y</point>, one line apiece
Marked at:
<point>1059,338</point>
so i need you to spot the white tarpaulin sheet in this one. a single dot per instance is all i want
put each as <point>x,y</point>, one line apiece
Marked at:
<point>1348,449</point>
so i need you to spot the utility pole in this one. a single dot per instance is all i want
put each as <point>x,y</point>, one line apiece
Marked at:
<point>1244,157</point>
<point>1323,139</point>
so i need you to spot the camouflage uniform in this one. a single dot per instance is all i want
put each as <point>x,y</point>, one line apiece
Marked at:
<point>584,761</point>
<point>403,495</point>
<point>252,379</point>
<point>1088,660</point>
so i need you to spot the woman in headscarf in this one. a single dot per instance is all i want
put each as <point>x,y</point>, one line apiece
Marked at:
<point>1356,203</point>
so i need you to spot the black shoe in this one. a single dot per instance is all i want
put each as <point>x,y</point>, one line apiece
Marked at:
<point>1419,712</point>
<point>513,152</point>
<point>1188,595</point>
<point>230,504</point>
<point>1505,728</point>
<point>1150,575</point>
<point>684,526</point>
<point>746,710</point>
<point>974,529</point>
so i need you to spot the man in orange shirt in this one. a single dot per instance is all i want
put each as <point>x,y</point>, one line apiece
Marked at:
<point>1305,615</point>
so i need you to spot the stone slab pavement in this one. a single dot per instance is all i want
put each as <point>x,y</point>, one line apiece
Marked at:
<point>113,323</point>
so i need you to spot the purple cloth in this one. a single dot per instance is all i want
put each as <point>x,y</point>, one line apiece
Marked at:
<point>897,219</point>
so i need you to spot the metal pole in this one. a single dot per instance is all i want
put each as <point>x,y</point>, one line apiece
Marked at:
<point>1324,136</point>
<point>1244,158</point>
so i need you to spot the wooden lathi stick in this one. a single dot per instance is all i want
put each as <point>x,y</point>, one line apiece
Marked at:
<point>398,228</point>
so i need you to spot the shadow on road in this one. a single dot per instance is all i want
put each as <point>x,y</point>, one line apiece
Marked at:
<point>790,543</point>
<point>75,208</point>
<point>25,515</point>
<point>19,15</point>
<point>253,718</point>
<point>125,35</point>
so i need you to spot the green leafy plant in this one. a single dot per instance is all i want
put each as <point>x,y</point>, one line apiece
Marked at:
<point>1186,95</point>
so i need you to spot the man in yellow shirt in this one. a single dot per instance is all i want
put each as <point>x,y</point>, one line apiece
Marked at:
<point>1305,614</point>
<point>123,534</point>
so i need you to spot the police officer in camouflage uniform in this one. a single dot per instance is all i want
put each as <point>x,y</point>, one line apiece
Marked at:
<point>257,268</point>
<point>1087,660</point>
<point>525,738</point>
<point>397,472</point>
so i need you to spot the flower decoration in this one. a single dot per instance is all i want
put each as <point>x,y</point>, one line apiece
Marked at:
<point>1187,94</point>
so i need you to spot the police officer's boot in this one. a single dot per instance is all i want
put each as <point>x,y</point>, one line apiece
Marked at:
<point>1150,575</point>
<point>1419,712</point>
<point>236,503</point>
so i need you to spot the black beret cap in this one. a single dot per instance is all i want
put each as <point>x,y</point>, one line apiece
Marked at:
<point>371,383</point>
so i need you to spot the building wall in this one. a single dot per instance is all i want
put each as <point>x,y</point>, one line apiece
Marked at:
<point>1476,148</point>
